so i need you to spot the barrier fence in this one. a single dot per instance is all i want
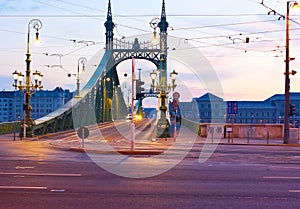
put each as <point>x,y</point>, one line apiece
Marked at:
<point>10,127</point>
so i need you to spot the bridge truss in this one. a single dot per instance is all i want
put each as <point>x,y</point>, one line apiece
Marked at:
<point>101,97</point>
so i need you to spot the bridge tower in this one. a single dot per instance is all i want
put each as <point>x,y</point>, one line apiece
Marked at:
<point>110,80</point>
<point>109,25</point>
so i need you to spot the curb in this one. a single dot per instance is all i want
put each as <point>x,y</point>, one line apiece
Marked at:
<point>255,144</point>
<point>123,152</point>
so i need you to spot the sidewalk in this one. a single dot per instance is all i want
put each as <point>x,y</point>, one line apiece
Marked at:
<point>253,141</point>
<point>141,147</point>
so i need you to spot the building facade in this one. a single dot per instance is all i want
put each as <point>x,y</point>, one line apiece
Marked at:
<point>7,106</point>
<point>43,102</point>
<point>210,108</point>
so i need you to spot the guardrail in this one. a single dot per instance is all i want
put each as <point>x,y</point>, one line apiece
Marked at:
<point>9,127</point>
<point>192,125</point>
<point>253,131</point>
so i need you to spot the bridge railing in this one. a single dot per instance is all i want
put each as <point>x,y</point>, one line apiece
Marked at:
<point>62,118</point>
<point>253,131</point>
<point>9,127</point>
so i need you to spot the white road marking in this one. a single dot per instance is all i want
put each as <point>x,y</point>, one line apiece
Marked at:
<point>286,167</point>
<point>18,176</point>
<point>44,174</point>
<point>281,177</point>
<point>24,167</point>
<point>57,190</point>
<point>22,187</point>
<point>294,191</point>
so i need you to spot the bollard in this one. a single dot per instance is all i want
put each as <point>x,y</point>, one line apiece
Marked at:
<point>212,134</point>
<point>248,135</point>
<point>228,136</point>
<point>268,137</point>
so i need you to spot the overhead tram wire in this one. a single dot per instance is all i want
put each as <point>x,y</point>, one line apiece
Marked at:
<point>174,29</point>
<point>135,28</point>
<point>245,34</point>
<point>229,45</point>
<point>207,37</point>
<point>151,15</point>
<point>138,19</point>
<point>95,16</point>
<point>124,16</point>
<point>60,8</point>
<point>88,16</point>
<point>223,25</point>
<point>276,13</point>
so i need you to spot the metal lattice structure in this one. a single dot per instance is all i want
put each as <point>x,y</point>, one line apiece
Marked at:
<point>100,99</point>
<point>123,50</point>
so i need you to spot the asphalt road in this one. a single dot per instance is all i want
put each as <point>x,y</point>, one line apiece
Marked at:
<point>34,175</point>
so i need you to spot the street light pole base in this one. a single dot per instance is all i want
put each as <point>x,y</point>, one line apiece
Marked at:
<point>163,128</point>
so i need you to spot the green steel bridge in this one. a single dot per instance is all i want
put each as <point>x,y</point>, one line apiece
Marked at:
<point>100,100</point>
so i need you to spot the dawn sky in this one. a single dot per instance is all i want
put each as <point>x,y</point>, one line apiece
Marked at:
<point>217,29</point>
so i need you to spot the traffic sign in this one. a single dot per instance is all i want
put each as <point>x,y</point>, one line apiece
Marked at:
<point>151,95</point>
<point>83,132</point>
<point>176,95</point>
<point>146,94</point>
<point>232,107</point>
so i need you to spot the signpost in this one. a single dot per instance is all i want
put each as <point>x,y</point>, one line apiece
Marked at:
<point>83,133</point>
<point>232,110</point>
<point>146,94</point>
<point>132,126</point>
<point>232,107</point>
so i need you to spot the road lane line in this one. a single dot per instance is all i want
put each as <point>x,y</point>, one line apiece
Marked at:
<point>45,174</point>
<point>22,187</point>
<point>24,167</point>
<point>57,190</point>
<point>294,191</point>
<point>286,167</point>
<point>281,177</point>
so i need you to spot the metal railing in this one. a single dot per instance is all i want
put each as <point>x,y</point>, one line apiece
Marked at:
<point>9,127</point>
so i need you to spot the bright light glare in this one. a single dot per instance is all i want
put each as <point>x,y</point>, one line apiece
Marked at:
<point>37,40</point>
<point>295,6</point>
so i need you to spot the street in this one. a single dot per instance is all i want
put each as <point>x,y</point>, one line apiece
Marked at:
<point>34,175</point>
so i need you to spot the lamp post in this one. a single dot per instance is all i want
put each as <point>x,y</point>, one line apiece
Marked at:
<point>154,24</point>
<point>173,76</point>
<point>106,101</point>
<point>153,76</point>
<point>290,4</point>
<point>28,88</point>
<point>163,124</point>
<point>110,93</point>
<point>81,61</point>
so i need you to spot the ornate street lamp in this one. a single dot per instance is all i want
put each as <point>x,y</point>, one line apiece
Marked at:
<point>153,76</point>
<point>154,24</point>
<point>290,4</point>
<point>28,88</point>
<point>163,124</point>
<point>173,76</point>
<point>81,61</point>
